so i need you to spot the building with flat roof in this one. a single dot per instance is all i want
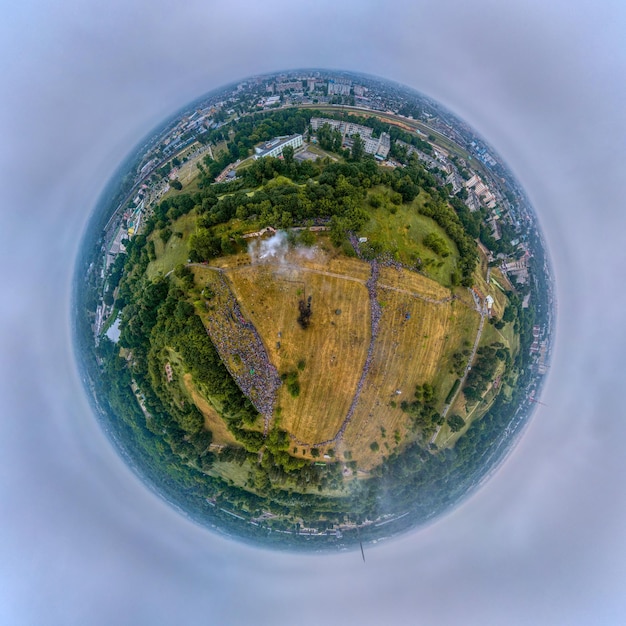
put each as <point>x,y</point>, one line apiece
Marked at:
<point>271,101</point>
<point>275,147</point>
<point>294,85</point>
<point>372,145</point>
<point>339,87</point>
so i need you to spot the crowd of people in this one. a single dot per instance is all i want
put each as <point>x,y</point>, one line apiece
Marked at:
<point>234,336</point>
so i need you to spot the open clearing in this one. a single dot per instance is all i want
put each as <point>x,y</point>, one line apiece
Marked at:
<point>212,419</point>
<point>421,327</point>
<point>413,346</point>
<point>331,352</point>
<point>400,230</point>
<point>413,283</point>
<point>174,251</point>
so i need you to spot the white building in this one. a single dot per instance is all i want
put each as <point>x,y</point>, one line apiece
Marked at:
<point>372,145</point>
<point>275,147</point>
<point>481,190</point>
<point>379,146</point>
<point>271,101</point>
<point>339,87</point>
<point>318,122</point>
<point>489,302</point>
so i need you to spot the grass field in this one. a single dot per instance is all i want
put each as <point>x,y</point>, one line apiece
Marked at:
<point>408,352</point>
<point>237,343</point>
<point>469,413</point>
<point>490,335</point>
<point>212,419</point>
<point>331,352</point>
<point>175,251</point>
<point>420,329</point>
<point>413,283</point>
<point>188,171</point>
<point>400,230</point>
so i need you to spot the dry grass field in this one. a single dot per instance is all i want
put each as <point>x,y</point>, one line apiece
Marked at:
<point>237,342</point>
<point>183,389</point>
<point>420,328</point>
<point>412,282</point>
<point>331,352</point>
<point>337,264</point>
<point>188,171</point>
<point>212,419</point>
<point>408,352</point>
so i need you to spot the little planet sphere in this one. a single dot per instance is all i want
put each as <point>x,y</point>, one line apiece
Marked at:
<point>313,310</point>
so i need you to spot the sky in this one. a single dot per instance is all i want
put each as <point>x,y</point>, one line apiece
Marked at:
<point>82,541</point>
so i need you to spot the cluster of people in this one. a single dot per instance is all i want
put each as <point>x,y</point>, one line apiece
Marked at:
<point>233,335</point>
<point>386,260</point>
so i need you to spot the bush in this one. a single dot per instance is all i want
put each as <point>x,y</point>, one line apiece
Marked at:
<point>375,201</point>
<point>437,244</point>
<point>455,422</point>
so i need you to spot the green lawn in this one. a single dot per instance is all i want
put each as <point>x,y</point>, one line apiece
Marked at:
<point>400,230</point>
<point>175,251</point>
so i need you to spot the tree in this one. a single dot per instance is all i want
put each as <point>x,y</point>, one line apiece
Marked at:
<point>437,244</point>
<point>288,154</point>
<point>358,148</point>
<point>204,246</point>
<point>375,201</point>
<point>306,238</point>
<point>509,314</point>
<point>455,422</point>
<point>176,184</point>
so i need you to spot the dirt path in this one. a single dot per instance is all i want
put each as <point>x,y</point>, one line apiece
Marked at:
<point>375,315</point>
<point>468,367</point>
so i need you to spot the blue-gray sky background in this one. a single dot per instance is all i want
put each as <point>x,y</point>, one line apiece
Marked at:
<point>83,542</point>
